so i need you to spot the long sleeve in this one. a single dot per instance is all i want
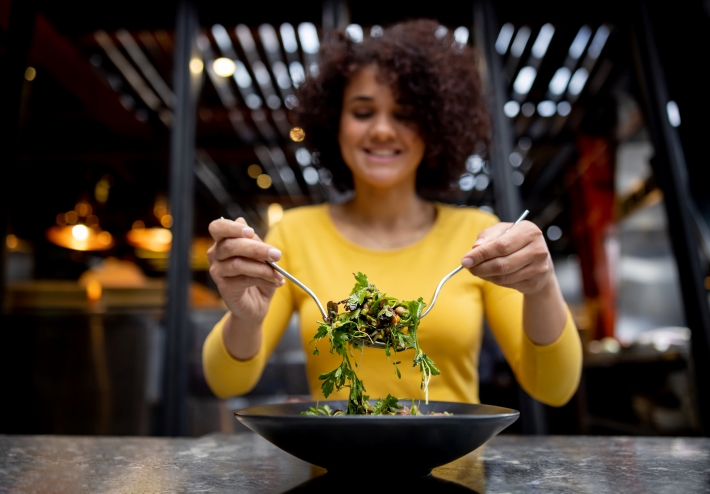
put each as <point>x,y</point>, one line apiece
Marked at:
<point>549,373</point>
<point>227,376</point>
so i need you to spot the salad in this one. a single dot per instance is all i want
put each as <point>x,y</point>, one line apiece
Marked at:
<point>370,316</point>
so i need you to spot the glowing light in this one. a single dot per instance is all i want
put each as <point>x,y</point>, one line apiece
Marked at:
<point>474,163</point>
<point>160,208</point>
<point>82,209</point>
<point>376,31</point>
<point>268,38</point>
<point>517,177</point>
<point>521,40</point>
<point>354,32</point>
<point>504,37</point>
<point>166,221</point>
<point>580,42</point>
<point>515,159</point>
<point>281,74</point>
<point>559,81</point>
<point>11,242</point>
<point>101,191</point>
<point>275,212</point>
<point>528,109</point>
<point>104,238</point>
<point>291,102</point>
<point>244,35</point>
<point>92,220</point>
<point>554,233</point>
<point>597,44</point>
<point>303,156</point>
<point>263,181</point>
<point>511,108</point>
<point>241,75</point>
<point>440,32</point>
<point>482,182</point>
<point>546,108</point>
<point>309,37</point>
<point>576,84</point>
<point>30,73</point>
<point>288,38</point>
<point>542,41</point>
<point>564,108</point>
<point>71,217</point>
<point>254,171</point>
<point>253,101</point>
<point>93,291</point>
<point>525,80</point>
<point>467,181</point>
<point>80,232</point>
<point>137,225</point>
<point>224,67</point>
<point>524,143</point>
<point>152,239</point>
<point>297,134</point>
<point>673,113</point>
<point>310,175</point>
<point>61,219</point>
<point>461,35</point>
<point>298,75</point>
<point>196,66</point>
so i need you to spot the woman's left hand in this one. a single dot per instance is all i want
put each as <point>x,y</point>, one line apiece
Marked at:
<point>517,259</point>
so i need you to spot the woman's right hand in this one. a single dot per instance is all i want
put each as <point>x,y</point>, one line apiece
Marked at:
<point>245,282</point>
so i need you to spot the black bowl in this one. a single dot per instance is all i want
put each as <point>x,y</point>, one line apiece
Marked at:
<point>405,444</point>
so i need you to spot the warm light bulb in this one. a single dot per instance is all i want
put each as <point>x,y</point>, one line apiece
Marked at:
<point>196,66</point>
<point>297,134</point>
<point>224,67</point>
<point>254,171</point>
<point>93,291</point>
<point>80,232</point>
<point>275,213</point>
<point>263,181</point>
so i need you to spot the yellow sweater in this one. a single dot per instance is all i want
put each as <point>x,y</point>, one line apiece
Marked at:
<point>319,256</point>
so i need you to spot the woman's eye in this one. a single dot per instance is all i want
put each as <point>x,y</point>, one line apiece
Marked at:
<point>362,115</point>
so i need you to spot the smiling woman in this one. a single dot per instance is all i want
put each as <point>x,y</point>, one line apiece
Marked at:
<point>394,118</point>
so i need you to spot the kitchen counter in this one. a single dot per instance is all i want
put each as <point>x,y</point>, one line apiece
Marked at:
<point>245,463</point>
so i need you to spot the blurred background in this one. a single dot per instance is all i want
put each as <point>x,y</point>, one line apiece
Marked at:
<point>128,126</point>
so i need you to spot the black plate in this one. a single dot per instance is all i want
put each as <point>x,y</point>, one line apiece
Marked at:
<point>402,444</point>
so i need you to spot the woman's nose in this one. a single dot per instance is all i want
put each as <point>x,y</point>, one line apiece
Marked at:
<point>382,129</point>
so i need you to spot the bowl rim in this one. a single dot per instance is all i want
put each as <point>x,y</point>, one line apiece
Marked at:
<point>503,412</point>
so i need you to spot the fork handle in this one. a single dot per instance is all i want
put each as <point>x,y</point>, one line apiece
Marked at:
<point>300,285</point>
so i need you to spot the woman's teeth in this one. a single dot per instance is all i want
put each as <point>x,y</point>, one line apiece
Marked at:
<point>382,152</point>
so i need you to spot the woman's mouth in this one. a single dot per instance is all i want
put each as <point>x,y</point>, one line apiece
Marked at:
<point>382,154</point>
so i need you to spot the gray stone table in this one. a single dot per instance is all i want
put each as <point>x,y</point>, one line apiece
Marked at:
<point>244,463</point>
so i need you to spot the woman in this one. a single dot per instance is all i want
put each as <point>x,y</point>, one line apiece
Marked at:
<point>394,118</point>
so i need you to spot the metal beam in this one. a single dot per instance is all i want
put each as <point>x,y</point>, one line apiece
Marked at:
<point>508,204</point>
<point>182,157</point>
<point>672,175</point>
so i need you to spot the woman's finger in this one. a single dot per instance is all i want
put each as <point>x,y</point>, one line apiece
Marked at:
<point>500,266</point>
<point>239,284</point>
<point>245,247</point>
<point>502,245</point>
<point>242,266</point>
<point>530,273</point>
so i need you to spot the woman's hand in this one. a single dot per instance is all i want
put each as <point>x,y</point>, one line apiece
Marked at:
<point>516,259</point>
<point>244,281</point>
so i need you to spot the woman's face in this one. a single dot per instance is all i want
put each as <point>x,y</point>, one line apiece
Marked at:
<point>378,139</point>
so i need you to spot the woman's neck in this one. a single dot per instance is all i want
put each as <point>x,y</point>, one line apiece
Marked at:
<point>384,218</point>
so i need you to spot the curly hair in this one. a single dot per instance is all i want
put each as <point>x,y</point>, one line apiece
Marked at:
<point>434,75</point>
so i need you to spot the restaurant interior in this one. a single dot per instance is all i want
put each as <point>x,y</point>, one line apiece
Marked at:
<point>115,161</point>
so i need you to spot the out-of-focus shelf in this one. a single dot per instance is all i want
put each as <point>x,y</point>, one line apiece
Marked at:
<point>70,295</point>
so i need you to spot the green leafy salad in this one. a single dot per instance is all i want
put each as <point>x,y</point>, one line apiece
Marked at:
<point>370,316</point>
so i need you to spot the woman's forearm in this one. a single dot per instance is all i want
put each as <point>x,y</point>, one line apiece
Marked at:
<point>241,338</point>
<point>544,313</point>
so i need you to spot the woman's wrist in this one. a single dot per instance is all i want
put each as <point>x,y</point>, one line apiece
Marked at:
<point>242,338</point>
<point>544,313</point>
